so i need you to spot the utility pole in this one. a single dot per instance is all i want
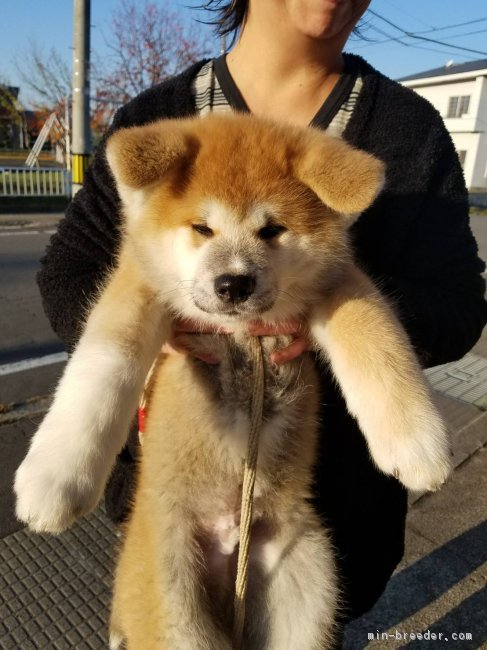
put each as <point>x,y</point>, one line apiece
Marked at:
<point>80,135</point>
<point>223,44</point>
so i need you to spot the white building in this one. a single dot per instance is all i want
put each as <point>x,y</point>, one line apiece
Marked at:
<point>459,93</point>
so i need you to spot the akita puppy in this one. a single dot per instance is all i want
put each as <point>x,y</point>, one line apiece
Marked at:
<point>229,219</point>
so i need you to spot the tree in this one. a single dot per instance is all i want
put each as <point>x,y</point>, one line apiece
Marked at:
<point>12,120</point>
<point>147,44</point>
<point>46,75</point>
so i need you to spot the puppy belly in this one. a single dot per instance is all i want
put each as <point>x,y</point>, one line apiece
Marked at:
<point>188,500</point>
<point>219,543</point>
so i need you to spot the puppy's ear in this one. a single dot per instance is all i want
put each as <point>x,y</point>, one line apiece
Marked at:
<point>346,179</point>
<point>141,155</point>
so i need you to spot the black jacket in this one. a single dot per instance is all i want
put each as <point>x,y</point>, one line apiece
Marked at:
<point>415,241</point>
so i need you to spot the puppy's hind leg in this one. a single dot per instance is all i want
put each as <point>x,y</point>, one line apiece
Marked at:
<point>301,592</point>
<point>115,640</point>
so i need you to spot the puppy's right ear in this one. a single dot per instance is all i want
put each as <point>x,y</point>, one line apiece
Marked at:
<point>141,155</point>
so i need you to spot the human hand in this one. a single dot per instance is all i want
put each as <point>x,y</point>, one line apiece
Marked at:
<point>178,343</point>
<point>296,329</point>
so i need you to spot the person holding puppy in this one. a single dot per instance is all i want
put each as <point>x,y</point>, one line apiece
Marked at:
<point>415,242</point>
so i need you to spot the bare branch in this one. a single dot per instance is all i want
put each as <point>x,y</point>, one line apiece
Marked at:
<point>148,44</point>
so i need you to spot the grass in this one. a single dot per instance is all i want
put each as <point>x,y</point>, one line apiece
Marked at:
<point>476,211</point>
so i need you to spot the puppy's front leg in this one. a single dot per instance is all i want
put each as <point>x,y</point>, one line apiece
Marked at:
<point>73,451</point>
<point>382,382</point>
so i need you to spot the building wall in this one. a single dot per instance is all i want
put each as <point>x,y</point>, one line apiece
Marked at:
<point>481,120</point>
<point>479,175</point>
<point>468,132</point>
<point>439,96</point>
<point>469,143</point>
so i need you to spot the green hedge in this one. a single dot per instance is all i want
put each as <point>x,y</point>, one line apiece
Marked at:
<point>19,204</point>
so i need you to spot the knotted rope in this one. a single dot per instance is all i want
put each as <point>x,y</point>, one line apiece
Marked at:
<point>256,409</point>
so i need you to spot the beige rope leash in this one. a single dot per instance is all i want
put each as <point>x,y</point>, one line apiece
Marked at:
<point>256,409</point>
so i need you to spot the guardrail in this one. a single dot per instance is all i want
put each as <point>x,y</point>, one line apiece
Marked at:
<point>39,181</point>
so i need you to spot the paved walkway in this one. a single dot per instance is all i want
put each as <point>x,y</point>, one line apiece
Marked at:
<point>31,220</point>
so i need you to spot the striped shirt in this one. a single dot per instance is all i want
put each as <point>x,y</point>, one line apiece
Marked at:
<point>215,91</point>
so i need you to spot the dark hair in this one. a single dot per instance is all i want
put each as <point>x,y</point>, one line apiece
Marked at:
<point>230,15</point>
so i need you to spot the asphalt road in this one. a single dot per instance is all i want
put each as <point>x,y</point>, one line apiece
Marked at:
<point>25,332</point>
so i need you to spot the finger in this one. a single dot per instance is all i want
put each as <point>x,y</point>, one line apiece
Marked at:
<point>291,351</point>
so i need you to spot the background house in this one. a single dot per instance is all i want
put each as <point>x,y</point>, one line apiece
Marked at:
<point>459,93</point>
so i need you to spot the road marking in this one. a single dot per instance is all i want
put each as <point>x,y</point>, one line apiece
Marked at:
<point>9,233</point>
<point>28,364</point>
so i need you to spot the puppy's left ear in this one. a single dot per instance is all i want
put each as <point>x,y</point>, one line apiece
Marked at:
<point>346,179</point>
<point>141,155</point>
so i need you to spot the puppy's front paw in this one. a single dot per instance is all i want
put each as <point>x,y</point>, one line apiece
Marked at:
<point>420,459</point>
<point>53,491</point>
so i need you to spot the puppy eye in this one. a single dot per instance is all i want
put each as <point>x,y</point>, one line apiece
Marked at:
<point>201,229</point>
<point>270,231</point>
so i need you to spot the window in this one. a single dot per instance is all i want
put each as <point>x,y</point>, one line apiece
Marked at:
<point>462,156</point>
<point>458,106</point>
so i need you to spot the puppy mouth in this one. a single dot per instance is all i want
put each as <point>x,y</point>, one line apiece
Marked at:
<point>235,311</point>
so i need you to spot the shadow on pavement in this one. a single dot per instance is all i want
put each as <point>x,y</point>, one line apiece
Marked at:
<point>420,584</point>
<point>469,617</point>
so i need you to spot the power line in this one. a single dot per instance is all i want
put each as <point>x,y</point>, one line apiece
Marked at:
<point>398,39</point>
<point>455,47</point>
<point>406,13</point>
<point>416,47</point>
<point>434,49</point>
<point>477,31</point>
<point>392,38</point>
<point>424,38</point>
<point>389,36</point>
<point>437,29</point>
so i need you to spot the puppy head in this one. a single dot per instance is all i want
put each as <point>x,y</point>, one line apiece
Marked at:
<point>237,218</point>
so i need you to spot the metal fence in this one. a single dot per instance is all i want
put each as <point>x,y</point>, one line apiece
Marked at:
<point>39,181</point>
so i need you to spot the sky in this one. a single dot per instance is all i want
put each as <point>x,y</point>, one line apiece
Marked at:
<point>384,44</point>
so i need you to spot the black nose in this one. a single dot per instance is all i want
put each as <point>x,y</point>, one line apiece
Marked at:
<point>234,288</point>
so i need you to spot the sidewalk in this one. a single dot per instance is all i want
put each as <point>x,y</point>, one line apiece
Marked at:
<point>29,221</point>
